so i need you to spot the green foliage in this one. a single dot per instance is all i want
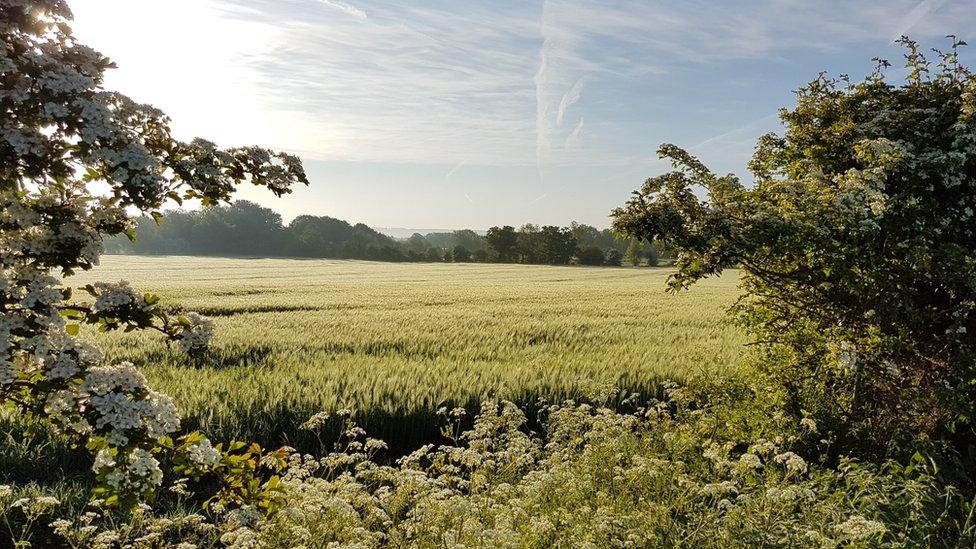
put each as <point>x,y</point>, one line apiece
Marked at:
<point>434,255</point>
<point>76,161</point>
<point>464,237</point>
<point>632,255</point>
<point>461,254</point>
<point>857,251</point>
<point>666,472</point>
<point>590,255</point>
<point>244,228</point>
<point>502,243</point>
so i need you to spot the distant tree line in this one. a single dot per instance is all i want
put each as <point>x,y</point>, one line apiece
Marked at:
<point>244,228</point>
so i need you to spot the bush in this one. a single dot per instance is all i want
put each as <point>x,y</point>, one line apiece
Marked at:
<point>461,254</point>
<point>590,255</point>
<point>590,476</point>
<point>614,258</point>
<point>857,251</point>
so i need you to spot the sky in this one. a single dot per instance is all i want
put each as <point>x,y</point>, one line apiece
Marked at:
<point>455,114</point>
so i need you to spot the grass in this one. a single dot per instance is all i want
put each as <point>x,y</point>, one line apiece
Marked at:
<point>395,341</point>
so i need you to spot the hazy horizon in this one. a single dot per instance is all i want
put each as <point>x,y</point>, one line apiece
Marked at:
<point>464,115</point>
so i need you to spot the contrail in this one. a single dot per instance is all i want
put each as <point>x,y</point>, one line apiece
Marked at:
<point>345,8</point>
<point>921,9</point>
<point>574,136</point>
<point>742,128</point>
<point>455,168</point>
<point>541,104</point>
<point>569,99</point>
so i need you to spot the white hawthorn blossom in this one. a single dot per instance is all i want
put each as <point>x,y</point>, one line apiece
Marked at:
<point>59,131</point>
<point>112,296</point>
<point>196,337</point>
<point>203,453</point>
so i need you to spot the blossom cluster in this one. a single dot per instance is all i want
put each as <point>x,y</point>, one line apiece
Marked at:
<point>593,477</point>
<point>117,296</point>
<point>61,131</point>
<point>195,334</point>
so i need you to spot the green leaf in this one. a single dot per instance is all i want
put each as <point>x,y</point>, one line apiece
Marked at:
<point>73,314</point>
<point>72,329</point>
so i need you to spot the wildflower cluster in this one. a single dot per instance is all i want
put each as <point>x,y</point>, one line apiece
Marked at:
<point>591,477</point>
<point>59,132</point>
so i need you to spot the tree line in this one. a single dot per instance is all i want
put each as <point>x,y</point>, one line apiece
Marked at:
<point>245,228</point>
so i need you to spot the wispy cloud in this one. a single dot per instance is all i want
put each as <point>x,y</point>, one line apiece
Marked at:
<point>569,99</point>
<point>574,136</point>
<point>345,8</point>
<point>748,131</point>
<point>441,82</point>
<point>913,17</point>
<point>541,80</point>
<point>454,170</point>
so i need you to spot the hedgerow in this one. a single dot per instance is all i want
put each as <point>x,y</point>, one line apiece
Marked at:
<point>857,247</point>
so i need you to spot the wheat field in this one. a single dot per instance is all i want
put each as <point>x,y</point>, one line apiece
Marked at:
<point>393,342</point>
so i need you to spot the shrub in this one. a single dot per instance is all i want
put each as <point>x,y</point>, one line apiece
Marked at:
<point>590,255</point>
<point>61,131</point>
<point>589,477</point>
<point>857,247</point>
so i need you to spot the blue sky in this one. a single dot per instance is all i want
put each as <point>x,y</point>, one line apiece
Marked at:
<point>452,114</point>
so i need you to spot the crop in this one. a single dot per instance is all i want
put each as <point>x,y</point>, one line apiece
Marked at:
<point>393,342</point>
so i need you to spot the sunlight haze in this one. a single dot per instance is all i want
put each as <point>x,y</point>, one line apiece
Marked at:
<point>477,114</point>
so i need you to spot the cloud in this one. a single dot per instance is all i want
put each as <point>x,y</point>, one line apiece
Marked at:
<point>574,136</point>
<point>913,17</point>
<point>748,132</point>
<point>455,169</point>
<point>569,99</point>
<point>541,80</point>
<point>345,8</point>
<point>443,82</point>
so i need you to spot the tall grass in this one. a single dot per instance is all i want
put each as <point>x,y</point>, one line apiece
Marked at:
<point>395,341</point>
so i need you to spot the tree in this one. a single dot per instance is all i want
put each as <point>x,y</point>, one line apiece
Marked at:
<point>502,243</point>
<point>857,247</point>
<point>586,234</point>
<point>556,245</point>
<point>417,243</point>
<point>434,255</point>
<point>530,245</point>
<point>461,254</point>
<point>651,255</point>
<point>63,136</point>
<point>590,255</point>
<point>465,237</point>
<point>633,255</point>
<point>614,257</point>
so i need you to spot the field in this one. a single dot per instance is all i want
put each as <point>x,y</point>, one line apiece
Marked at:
<point>393,342</point>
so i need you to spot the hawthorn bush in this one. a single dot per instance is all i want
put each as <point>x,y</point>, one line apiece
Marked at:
<point>61,136</point>
<point>856,245</point>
